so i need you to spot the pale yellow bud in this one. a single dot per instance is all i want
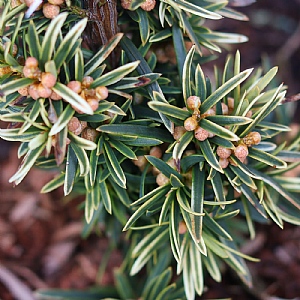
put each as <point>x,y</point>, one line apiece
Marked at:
<point>190,124</point>
<point>161,179</point>
<point>74,126</point>
<point>75,86</point>
<point>93,103</point>
<point>126,3</point>
<point>89,134</point>
<point>253,138</point>
<point>43,91</point>
<point>23,91</point>
<point>87,81</point>
<point>210,112</point>
<point>201,134</point>
<point>178,132</point>
<point>54,96</point>
<point>156,152</point>
<point>223,163</point>
<point>241,152</point>
<point>148,5</point>
<point>31,62</point>
<point>48,79</point>
<point>193,102</point>
<point>33,91</point>
<point>50,11</point>
<point>141,162</point>
<point>101,92</point>
<point>223,152</point>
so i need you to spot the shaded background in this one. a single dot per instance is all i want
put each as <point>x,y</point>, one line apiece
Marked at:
<point>40,244</point>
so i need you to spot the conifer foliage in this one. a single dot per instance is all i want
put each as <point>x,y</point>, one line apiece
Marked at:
<point>112,94</point>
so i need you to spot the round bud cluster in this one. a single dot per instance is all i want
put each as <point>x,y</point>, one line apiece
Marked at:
<point>162,179</point>
<point>156,152</point>
<point>101,92</point>
<point>191,123</point>
<point>51,11</point>
<point>241,152</point>
<point>23,91</point>
<point>182,229</point>
<point>54,96</point>
<point>140,162</point>
<point>48,80</point>
<point>75,126</point>
<point>56,2</point>
<point>253,138</point>
<point>45,81</point>
<point>193,103</point>
<point>43,91</point>
<point>83,124</point>
<point>223,152</point>
<point>91,96</point>
<point>90,134</point>
<point>126,3</point>
<point>179,131</point>
<point>33,91</point>
<point>93,103</point>
<point>148,5</point>
<point>87,81</point>
<point>209,112</point>
<point>81,127</point>
<point>31,62</point>
<point>31,69</point>
<point>210,134</point>
<point>224,162</point>
<point>201,134</point>
<point>75,86</point>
